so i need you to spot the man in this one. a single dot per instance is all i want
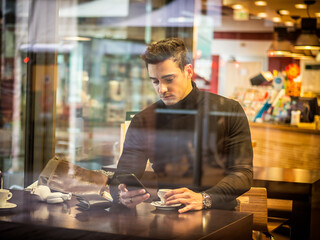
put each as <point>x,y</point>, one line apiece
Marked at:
<point>164,134</point>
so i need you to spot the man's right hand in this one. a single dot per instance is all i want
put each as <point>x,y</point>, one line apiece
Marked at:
<point>132,198</point>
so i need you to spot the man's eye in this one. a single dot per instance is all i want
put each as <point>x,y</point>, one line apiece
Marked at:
<point>155,82</point>
<point>169,80</point>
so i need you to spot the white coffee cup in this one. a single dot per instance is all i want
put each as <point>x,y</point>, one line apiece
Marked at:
<point>5,195</point>
<point>161,193</point>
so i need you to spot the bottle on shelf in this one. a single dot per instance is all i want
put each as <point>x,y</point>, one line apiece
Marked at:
<point>278,82</point>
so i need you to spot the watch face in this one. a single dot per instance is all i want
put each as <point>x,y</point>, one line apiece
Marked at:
<point>207,202</point>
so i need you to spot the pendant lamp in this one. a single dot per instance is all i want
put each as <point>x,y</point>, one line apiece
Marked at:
<point>280,46</point>
<point>308,40</point>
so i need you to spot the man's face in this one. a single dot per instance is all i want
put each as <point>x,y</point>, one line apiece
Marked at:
<point>170,83</point>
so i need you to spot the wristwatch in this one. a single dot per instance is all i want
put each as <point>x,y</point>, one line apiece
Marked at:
<point>206,200</point>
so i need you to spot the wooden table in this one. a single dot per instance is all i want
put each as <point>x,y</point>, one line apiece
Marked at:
<point>300,185</point>
<point>32,219</point>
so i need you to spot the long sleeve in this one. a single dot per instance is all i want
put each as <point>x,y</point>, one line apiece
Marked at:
<point>238,154</point>
<point>134,156</point>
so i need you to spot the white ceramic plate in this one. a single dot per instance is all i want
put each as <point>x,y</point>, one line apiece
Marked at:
<point>8,205</point>
<point>161,206</point>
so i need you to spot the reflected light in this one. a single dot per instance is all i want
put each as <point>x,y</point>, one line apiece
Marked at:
<point>77,38</point>
<point>180,20</point>
<point>199,53</point>
<point>237,6</point>
<point>317,14</point>
<point>25,60</point>
<point>204,222</point>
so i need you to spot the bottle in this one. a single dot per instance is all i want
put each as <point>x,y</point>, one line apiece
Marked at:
<point>278,82</point>
<point>295,117</point>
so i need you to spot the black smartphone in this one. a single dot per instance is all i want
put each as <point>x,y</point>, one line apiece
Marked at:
<point>131,181</point>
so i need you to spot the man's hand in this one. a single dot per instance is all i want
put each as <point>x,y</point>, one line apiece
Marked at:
<point>132,198</point>
<point>191,200</point>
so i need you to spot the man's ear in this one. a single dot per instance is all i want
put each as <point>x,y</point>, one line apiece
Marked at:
<point>189,70</point>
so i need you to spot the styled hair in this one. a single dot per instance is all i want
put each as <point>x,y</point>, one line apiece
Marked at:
<point>169,48</point>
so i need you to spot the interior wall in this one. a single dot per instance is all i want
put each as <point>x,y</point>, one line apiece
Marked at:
<point>242,51</point>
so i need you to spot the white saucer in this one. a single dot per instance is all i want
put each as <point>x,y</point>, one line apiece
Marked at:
<point>161,206</point>
<point>8,205</point>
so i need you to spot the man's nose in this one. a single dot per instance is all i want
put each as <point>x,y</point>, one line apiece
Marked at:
<point>163,88</point>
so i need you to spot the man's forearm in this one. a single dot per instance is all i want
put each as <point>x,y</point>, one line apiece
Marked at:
<point>230,187</point>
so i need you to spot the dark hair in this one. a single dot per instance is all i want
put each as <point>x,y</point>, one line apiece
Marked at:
<point>169,48</point>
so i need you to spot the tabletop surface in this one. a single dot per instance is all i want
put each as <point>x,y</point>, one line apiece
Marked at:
<point>144,222</point>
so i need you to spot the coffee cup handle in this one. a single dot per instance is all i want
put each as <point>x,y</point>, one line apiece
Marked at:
<point>9,195</point>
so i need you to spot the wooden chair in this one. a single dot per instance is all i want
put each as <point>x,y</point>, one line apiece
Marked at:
<point>255,201</point>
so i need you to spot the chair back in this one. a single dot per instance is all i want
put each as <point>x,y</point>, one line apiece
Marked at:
<point>255,201</point>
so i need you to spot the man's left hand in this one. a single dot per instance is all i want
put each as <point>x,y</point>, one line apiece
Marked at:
<point>191,200</point>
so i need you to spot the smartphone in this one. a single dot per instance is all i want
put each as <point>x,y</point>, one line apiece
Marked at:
<point>131,181</point>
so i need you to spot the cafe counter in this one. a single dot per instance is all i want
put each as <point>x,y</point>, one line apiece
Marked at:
<point>285,146</point>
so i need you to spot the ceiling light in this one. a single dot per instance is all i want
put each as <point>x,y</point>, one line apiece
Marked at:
<point>262,15</point>
<point>300,6</point>
<point>240,15</point>
<point>284,12</point>
<point>237,6</point>
<point>289,24</point>
<point>260,3</point>
<point>308,40</point>
<point>276,19</point>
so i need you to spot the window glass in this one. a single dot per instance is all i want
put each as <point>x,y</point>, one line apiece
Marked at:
<point>71,76</point>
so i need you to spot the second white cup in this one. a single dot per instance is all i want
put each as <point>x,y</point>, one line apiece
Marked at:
<point>161,193</point>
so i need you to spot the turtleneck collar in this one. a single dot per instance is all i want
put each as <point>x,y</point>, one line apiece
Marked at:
<point>189,102</point>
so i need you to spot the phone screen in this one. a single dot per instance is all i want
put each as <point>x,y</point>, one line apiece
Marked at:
<point>131,181</point>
